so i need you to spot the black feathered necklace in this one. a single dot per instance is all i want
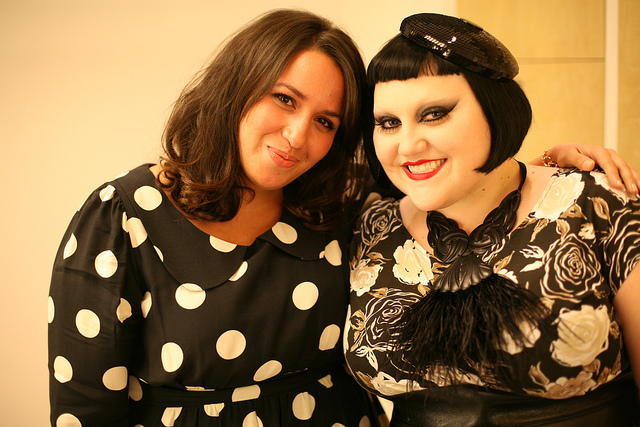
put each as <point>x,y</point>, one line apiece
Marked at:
<point>470,311</point>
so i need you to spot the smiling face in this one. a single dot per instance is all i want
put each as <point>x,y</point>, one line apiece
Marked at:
<point>292,127</point>
<point>430,136</point>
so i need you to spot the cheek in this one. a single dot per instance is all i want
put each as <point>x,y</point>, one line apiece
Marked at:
<point>261,118</point>
<point>383,152</point>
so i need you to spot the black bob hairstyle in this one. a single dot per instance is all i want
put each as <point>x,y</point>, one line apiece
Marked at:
<point>504,103</point>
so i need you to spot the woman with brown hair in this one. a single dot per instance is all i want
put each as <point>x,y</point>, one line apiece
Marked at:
<point>210,289</point>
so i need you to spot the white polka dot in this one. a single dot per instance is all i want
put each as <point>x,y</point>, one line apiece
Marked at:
<point>135,389</point>
<point>51,310</point>
<point>115,379</point>
<point>146,304</point>
<point>159,252</point>
<point>190,296</point>
<point>326,381</point>
<point>124,310</point>
<point>303,406</point>
<point>332,253</point>
<point>122,174</point>
<point>231,344</point>
<point>213,409</point>
<point>364,422</point>
<point>68,420</point>
<point>337,425</point>
<point>62,370</point>
<point>147,197</point>
<point>137,232</point>
<point>106,264</point>
<point>268,370</point>
<point>249,392</point>
<point>70,247</point>
<point>107,193</point>
<point>329,337</point>
<point>241,270</point>
<point>305,295</point>
<point>169,416</point>
<point>285,233</point>
<point>124,222</point>
<point>220,245</point>
<point>172,357</point>
<point>88,323</point>
<point>252,420</point>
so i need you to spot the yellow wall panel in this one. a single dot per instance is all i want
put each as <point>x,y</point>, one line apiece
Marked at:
<point>542,28</point>
<point>568,105</point>
<point>629,82</point>
<point>560,49</point>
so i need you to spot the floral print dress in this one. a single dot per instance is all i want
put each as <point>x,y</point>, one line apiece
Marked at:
<point>573,251</point>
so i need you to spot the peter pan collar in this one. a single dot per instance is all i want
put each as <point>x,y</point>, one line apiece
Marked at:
<point>191,255</point>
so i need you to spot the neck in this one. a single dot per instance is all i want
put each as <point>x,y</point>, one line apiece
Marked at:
<point>492,189</point>
<point>261,202</point>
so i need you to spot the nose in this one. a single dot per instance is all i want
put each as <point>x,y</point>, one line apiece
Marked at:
<point>296,132</point>
<point>411,142</point>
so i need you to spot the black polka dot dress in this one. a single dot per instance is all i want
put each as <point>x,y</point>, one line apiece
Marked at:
<point>154,323</point>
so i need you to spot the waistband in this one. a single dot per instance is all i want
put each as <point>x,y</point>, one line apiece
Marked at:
<point>615,403</point>
<point>163,396</point>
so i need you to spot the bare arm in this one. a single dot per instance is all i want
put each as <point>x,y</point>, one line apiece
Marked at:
<point>586,157</point>
<point>626,303</point>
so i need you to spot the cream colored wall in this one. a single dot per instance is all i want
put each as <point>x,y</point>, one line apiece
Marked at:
<point>85,87</point>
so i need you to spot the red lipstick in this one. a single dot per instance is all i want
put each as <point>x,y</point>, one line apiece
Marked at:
<point>420,176</point>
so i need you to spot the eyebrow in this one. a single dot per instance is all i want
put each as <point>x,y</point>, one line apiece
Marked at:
<point>303,97</point>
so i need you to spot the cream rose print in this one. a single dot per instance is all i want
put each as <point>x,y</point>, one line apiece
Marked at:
<point>561,195</point>
<point>563,387</point>
<point>582,335</point>
<point>412,266</point>
<point>571,269</point>
<point>383,312</point>
<point>363,276</point>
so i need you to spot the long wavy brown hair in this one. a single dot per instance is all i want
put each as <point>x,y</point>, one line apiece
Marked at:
<point>201,161</point>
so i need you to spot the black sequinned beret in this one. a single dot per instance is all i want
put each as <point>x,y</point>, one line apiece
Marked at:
<point>462,43</point>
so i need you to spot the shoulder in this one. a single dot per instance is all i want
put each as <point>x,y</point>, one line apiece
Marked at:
<point>108,202</point>
<point>568,187</point>
<point>379,221</point>
<point>385,208</point>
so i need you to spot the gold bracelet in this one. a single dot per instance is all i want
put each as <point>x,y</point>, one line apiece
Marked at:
<point>548,161</point>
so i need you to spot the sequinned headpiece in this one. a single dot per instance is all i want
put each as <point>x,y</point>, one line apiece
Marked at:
<point>461,43</point>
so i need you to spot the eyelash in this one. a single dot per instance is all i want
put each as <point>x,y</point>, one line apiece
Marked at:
<point>383,122</point>
<point>289,101</point>
<point>285,99</point>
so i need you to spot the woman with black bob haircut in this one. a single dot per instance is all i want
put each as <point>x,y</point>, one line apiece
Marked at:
<point>503,102</point>
<point>486,292</point>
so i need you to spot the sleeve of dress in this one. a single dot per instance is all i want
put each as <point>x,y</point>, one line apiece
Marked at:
<point>622,245</point>
<point>94,314</point>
